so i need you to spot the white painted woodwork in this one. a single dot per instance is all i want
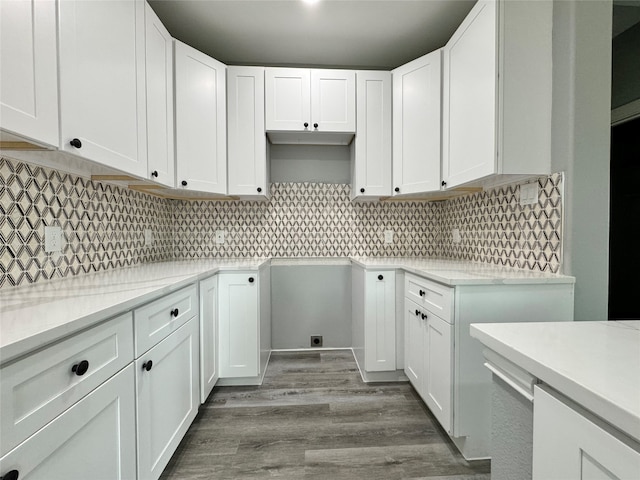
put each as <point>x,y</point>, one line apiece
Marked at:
<point>39,387</point>
<point>573,444</point>
<point>167,398</point>
<point>102,82</point>
<point>264,311</point>
<point>247,142</point>
<point>417,125</point>
<point>159,82</point>
<point>333,100</point>
<point>414,344</point>
<point>380,321</point>
<point>438,384</point>
<point>95,438</point>
<point>200,109</point>
<point>497,93</point>
<point>239,328</point>
<point>156,320</point>
<point>29,70</point>
<point>432,296</point>
<point>288,99</point>
<point>371,148</point>
<point>209,371</point>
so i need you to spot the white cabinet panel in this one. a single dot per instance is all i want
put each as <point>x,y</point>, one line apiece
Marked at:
<point>439,370</point>
<point>371,148</point>
<point>201,145</point>
<point>94,439</point>
<point>239,329</point>
<point>333,99</point>
<point>102,82</point>
<point>209,371</point>
<point>416,125</point>
<point>414,344</point>
<point>288,99</point>
<point>28,70</point>
<point>568,445</point>
<point>380,321</point>
<point>247,158</point>
<point>159,81</point>
<point>167,393</point>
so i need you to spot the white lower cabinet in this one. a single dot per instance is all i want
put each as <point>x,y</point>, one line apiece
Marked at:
<point>167,393</point>
<point>94,439</point>
<point>572,445</point>
<point>209,365</point>
<point>414,344</point>
<point>380,321</point>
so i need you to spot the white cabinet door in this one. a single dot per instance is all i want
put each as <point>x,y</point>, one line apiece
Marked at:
<point>570,446</point>
<point>380,321</point>
<point>239,327</point>
<point>438,383</point>
<point>167,393</point>
<point>102,82</point>
<point>371,162</point>
<point>201,145</point>
<point>333,100</point>
<point>94,439</point>
<point>414,345</point>
<point>247,158</point>
<point>159,78</point>
<point>288,99</point>
<point>209,371</point>
<point>470,89</point>
<point>416,125</point>
<point>28,70</point>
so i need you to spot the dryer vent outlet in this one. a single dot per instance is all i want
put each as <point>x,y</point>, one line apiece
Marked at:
<point>316,340</point>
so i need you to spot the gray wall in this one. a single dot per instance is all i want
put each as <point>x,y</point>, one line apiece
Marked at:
<point>580,145</point>
<point>310,163</point>
<point>310,300</point>
<point>625,67</point>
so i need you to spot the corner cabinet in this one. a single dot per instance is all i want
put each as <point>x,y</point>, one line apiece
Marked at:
<point>416,125</point>
<point>371,148</point>
<point>497,93</point>
<point>102,82</point>
<point>29,73</point>
<point>247,142</point>
<point>200,115</point>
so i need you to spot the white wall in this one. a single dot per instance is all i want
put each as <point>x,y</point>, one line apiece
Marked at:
<point>581,143</point>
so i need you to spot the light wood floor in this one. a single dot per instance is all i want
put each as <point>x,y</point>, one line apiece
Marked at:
<point>314,418</point>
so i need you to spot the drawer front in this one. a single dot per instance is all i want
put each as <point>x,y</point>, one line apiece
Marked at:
<point>431,296</point>
<point>39,387</point>
<point>158,319</point>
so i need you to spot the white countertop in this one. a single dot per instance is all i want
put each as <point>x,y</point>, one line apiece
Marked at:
<point>38,314</point>
<point>596,364</point>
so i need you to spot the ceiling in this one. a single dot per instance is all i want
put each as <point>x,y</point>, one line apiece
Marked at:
<point>373,34</point>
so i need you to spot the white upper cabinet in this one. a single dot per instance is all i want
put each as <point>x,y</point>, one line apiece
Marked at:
<point>497,93</point>
<point>371,149</point>
<point>247,142</point>
<point>28,70</point>
<point>102,82</point>
<point>304,100</point>
<point>201,145</point>
<point>159,78</point>
<point>416,125</point>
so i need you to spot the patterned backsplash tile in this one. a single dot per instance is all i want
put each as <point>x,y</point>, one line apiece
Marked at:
<point>104,225</point>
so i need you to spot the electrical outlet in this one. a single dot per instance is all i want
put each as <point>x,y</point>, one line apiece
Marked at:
<point>219,237</point>
<point>52,239</point>
<point>529,193</point>
<point>316,340</point>
<point>148,237</point>
<point>388,237</point>
<point>455,233</point>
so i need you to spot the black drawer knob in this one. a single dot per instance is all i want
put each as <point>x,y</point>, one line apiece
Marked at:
<point>76,143</point>
<point>147,365</point>
<point>184,183</point>
<point>380,277</point>
<point>422,292</point>
<point>175,312</point>
<point>259,189</point>
<point>424,316</point>
<point>154,173</point>
<point>397,189</point>
<point>12,475</point>
<point>79,369</point>
<point>444,184</point>
<point>251,279</point>
<point>315,125</point>
<point>306,124</point>
<point>362,190</point>
<point>417,312</point>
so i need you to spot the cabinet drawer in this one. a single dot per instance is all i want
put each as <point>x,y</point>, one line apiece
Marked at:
<point>431,296</point>
<point>39,387</point>
<point>158,319</point>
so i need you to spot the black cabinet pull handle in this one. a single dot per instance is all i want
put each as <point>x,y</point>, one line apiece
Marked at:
<point>422,292</point>
<point>174,312</point>
<point>424,316</point>
<point>380,277</point>
<point>184,183</point>
<point>259,189</point>
<point>76,143</point>
<point>417,312</point>
<point>362,190</point>
<point>444,184</point>
<point>250,279</point>
<point>315,125</point>
<point>397,189</point>
<point>306,124</point>
<point>80,369</point>
<point>154,173</point>
<point>12,475</point>
<point>147,365</point>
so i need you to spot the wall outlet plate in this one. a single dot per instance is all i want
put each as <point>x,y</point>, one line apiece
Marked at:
<point>529,193</point>
<point>148,237</point>
<point>219,237</point>
<point>52,239</point>
<point>316,340</point>
<point>388,237</point>
<point>455,233</point>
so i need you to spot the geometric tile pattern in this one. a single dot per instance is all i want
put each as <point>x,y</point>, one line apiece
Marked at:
<point>103,225</point>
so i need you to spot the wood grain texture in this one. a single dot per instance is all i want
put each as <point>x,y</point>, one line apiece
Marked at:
<point>314,418</point>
